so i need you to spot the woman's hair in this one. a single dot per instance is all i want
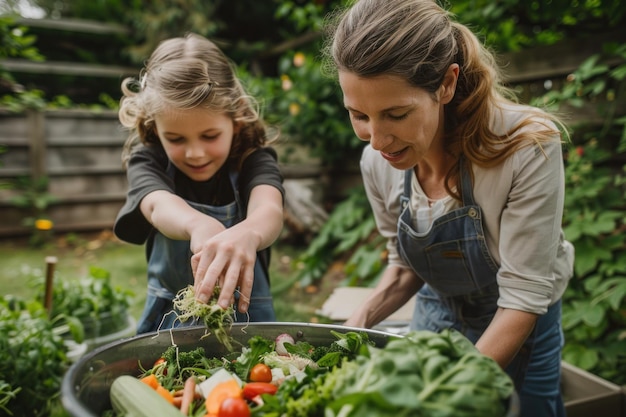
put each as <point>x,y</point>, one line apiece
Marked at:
<point>417,40</point>
<point>186,73</point>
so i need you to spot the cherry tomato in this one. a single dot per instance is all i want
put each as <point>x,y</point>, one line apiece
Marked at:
<point>234,407</point>
<point>252,389</point>
<point>260,373</point>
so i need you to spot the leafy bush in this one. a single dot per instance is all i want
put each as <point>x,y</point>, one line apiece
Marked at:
<point>93,301</point>
<point>32,359</point>
<point>594,312</point>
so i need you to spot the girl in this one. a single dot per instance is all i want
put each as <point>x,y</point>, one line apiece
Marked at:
<point>466,184</point>
<point>205,193</point>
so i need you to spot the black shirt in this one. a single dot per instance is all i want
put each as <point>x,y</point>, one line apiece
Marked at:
<point>147,172</point>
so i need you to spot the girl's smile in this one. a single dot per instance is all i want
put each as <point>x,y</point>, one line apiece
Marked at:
<point>197,141</point>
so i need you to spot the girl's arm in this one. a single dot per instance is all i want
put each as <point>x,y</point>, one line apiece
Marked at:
<point>173,217</point>
<point>228,258</point>
<point>397,285</point>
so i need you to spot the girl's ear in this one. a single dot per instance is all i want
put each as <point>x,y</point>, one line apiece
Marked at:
<point>448,86</point>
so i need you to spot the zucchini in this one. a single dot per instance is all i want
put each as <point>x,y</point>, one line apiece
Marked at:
<point>132,398</point>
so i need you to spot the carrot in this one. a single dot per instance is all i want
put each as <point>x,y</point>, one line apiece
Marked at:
<point>177,401</point>
<point>223,390</point>
<point>151,380</point>
<point>189,392</point>
<point>164,392</point>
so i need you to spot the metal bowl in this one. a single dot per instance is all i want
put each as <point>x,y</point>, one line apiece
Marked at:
<point>86,385</point>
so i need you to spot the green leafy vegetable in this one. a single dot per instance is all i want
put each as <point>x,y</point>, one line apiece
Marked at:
<point>424,374</point>
<point>216,319</point>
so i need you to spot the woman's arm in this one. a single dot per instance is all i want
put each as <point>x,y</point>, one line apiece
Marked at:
<point>228,258</point>
<point>506,334</point>
<point>396,287</point>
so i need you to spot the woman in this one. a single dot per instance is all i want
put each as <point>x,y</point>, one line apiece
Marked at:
<point>466,184</point>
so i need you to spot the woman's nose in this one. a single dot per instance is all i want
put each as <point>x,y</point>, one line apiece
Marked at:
<point>378,138</point>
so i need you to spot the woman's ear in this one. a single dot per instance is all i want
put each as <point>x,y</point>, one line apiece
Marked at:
<point>448,86</point>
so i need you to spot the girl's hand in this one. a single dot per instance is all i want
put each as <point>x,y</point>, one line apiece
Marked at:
<point>226,259</point>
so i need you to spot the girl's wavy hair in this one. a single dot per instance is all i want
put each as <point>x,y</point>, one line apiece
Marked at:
<point>186,73</point>
<point>418,40</point>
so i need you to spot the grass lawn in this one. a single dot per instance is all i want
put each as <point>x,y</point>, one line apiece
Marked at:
<point>21,264</point>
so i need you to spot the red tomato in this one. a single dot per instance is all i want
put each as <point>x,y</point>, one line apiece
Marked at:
<point>234,407</point>
<point>252,389</point>
<point>260,373</point>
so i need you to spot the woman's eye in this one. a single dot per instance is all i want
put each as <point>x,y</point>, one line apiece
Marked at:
<point>211,137</point>
<point>400,117</point>
<point>359,117</point>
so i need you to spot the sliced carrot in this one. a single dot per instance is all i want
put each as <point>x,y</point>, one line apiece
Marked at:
<point>189,392</point>
<point>177,402</point>
<point>151,380</point>
<point>164,392</point>
<point>223,390</point>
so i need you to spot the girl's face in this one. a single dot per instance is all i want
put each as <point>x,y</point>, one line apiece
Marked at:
<point>404,123</point>
<point>197,141</point>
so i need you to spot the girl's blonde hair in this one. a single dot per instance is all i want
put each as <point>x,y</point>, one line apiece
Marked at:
<point>185,73</point>
<point>417,40</point>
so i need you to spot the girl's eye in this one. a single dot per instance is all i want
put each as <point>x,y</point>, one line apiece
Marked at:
<point>211,137</point>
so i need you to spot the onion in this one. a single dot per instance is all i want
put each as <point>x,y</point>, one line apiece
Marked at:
<point>281,339</point>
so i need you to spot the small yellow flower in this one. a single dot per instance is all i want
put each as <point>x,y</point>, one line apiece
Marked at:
<point>298,59</point>
<point>43,224</point>
<point>286,82</point>
<point>294,109</point>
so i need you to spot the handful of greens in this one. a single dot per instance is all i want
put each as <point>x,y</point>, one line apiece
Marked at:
<point>215,318</point>
<point>422,374</point>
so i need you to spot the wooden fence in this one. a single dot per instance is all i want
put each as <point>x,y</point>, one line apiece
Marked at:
<point>78,151</point>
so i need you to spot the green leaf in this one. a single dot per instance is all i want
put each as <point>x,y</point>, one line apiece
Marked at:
<point>593,315</point>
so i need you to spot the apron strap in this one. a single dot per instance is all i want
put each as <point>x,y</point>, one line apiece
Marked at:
<point>466,186</point>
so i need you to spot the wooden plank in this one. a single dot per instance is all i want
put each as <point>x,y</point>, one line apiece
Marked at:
<point>66,68</point>
<point>556,60</point>
<point>76,25</point>
<point>37,141</point>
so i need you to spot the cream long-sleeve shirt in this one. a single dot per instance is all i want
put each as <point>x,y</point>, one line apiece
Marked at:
<point>522,203</point>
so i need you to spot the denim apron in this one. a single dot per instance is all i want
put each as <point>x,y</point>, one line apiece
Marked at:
<point>169,270</point>
<point>461,292</point>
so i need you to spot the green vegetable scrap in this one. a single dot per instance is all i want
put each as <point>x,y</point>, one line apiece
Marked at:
<point>424,374</point>
<point>216,319</point>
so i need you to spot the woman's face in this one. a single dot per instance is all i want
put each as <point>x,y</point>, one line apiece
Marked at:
<point>404,123</point>
<point>197,141</point>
